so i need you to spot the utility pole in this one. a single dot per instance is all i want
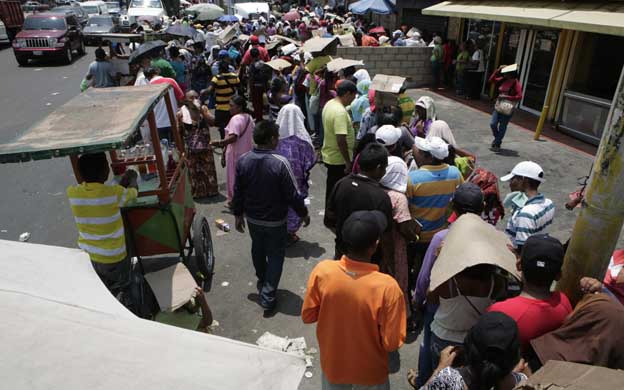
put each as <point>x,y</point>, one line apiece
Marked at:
<point>599,223</point>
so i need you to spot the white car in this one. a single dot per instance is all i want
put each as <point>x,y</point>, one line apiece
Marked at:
<point>147,8</point>
<point>94,8</point>
<point>4,37</point>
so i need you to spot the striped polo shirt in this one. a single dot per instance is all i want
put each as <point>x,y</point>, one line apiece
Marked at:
<point>532,218</point>
<point>100,228</point>
<point>429,192</point>
<point>225,85</point>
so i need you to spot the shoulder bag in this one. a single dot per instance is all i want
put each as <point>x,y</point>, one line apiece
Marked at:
<point>505,106</point>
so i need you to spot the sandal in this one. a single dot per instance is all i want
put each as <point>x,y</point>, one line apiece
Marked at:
<point>411,377</point>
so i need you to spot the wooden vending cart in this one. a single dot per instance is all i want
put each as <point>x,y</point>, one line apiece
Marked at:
<point>163,219</point>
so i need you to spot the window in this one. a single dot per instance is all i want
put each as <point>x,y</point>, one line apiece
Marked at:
<point>597,65</point>
<point>44,23</point>
<point>146,4</point>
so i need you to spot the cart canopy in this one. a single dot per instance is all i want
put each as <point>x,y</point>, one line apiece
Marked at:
<point>97,120</point>
<point>60,328</point>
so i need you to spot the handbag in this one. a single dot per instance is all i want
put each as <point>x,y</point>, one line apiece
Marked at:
<point>505,106</point>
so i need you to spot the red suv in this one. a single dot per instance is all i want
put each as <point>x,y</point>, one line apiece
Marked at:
<point>47,35</point>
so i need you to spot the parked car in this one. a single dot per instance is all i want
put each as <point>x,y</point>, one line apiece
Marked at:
<point>81,14</point>
<point>31,6</point>
<point>153,8</point>
<point>12,16</point>
<point>4,37</point>
<point>113,8</point>
<point>49,35</point>
<point>99,24</point>
<point>95,7</point>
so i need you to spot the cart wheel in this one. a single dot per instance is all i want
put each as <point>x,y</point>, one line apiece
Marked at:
<point>204,255</point>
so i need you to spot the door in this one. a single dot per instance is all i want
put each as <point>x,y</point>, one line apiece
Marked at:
<point>537,68</point>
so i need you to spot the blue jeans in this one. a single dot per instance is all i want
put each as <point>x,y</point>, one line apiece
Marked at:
<point>425,369</point>
<point>268,248</point>
<point>499,126</point>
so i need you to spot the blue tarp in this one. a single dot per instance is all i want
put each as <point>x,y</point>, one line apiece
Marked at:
<point>383,7</point>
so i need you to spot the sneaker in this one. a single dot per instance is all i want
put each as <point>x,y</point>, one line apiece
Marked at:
<point>495,148</point>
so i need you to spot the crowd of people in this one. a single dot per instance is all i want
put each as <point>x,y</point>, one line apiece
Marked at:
<point>396,182</point>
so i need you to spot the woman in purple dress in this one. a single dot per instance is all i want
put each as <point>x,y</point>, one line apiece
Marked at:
<point>296,145</point>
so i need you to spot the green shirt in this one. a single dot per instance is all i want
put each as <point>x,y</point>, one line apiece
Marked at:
<point>166,70</point>
<point>336,121</point>
<point>462,60</point>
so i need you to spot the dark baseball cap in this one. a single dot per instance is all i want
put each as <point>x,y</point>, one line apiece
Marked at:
<point>363,228</point>
<point>494,334</point>
<point>542,252</point>
<point>469,197</point>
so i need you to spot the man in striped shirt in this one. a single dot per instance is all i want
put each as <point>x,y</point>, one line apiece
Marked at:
<point>430,189</point>
<point>537,213</point>
<point>96,210</point>
<point>224,84</point>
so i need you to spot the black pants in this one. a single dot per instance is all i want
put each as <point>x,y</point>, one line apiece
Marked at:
<point>116,276</point>
<point>221,121</point>
<point>334,173</point>
<point>165,133</point>
<point>415,255</point>
<point>474,82</point>
<point>268,248</point>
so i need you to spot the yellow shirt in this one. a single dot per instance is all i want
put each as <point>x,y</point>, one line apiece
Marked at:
<point>407,106</point>
<point>336,121</point>
<point>100,228</point>
<point>224,86</point>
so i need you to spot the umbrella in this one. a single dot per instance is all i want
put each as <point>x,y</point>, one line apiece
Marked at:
<point>383,7</point>
<point>472,241</point>
<point>205,11</point>
<point>181,30</point>
<point>291,16</point>
<point>228,19</point>
<point>342,63</point>
<point>144,49</point>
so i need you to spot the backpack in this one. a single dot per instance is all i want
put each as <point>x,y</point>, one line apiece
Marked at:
<point>261,73</point>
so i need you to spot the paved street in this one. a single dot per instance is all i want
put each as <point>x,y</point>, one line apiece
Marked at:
<point>34,201</point>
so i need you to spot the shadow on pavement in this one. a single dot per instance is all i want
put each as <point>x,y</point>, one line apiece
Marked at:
<point>305,249</point>
<point>507,153</point>
<point>288,302</point>
<point>212,200</point>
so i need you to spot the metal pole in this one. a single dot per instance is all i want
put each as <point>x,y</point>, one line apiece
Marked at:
<point>499,51</point>
<point>551,84</point>
<point>599,223</point>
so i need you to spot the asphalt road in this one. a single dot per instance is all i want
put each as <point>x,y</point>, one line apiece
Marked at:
<point>33,193</point>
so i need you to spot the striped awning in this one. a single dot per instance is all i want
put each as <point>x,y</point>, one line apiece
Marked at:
<point>597,17</point>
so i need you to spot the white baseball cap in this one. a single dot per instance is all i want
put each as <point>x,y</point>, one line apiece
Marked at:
<point>388,135</point>
<point>526,169</point>
<point>434,145</point>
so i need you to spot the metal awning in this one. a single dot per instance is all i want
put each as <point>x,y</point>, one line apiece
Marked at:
<point>602,17</point>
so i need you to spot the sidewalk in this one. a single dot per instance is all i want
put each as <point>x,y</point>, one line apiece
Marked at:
<point>563,161</point>
<point>525,120</point>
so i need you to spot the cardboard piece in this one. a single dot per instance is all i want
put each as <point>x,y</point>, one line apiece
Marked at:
<point>270,45</point>
<point>279,64</point>
<point>347,40</point>
<point>387,83</point>
<point>227,34</point>
<point>472,241</point>
<point>172,286</point>
<point>338,64</point>
<point>557,375</point>
<point>289,40</point>
<point>320,45</point>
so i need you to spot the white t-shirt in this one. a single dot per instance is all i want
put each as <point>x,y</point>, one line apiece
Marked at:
<point>160,111</point>
<point>478,56</point>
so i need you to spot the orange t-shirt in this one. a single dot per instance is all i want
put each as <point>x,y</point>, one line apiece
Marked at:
<point>361,317</point>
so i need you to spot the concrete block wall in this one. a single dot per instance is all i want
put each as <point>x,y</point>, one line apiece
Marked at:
<point>410,62</point>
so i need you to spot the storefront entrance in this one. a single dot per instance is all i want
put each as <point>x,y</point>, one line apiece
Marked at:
<point>537,62</point>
